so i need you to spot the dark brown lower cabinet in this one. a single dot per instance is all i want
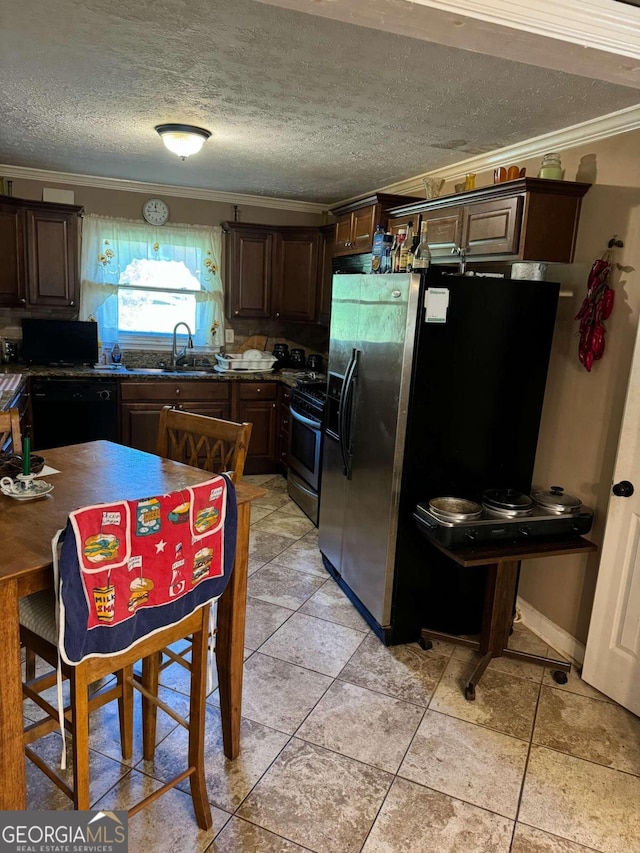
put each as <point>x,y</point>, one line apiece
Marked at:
<point>253,402</point>
<point>141,403</point>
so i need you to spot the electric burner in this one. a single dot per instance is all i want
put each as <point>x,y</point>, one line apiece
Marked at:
<point>493,525</point>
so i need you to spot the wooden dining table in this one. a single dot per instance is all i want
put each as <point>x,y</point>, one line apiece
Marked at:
<point>90,473</point>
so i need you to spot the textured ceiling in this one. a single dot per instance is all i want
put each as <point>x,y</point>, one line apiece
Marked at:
<point>299,107</point>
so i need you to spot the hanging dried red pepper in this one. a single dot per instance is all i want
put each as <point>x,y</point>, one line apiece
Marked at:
<point>596,307</point>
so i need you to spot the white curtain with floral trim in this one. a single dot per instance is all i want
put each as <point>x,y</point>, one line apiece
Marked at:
<point>110,246</point>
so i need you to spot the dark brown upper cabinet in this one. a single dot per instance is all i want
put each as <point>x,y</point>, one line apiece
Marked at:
<point>356,221</point>
<point>40,252</point>
<point>529,219</point>
<point>271,272</point>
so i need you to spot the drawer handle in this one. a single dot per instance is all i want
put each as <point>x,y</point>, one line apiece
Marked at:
<point>258,390</point>
<point>177,390</point>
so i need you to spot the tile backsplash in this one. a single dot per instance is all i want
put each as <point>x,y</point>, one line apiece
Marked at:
<point>311,338</point>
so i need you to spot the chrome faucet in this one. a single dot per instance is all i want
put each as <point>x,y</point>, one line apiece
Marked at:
<point>178,358</point>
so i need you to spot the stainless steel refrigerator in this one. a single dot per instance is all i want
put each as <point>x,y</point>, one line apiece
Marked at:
<point>435,388</point>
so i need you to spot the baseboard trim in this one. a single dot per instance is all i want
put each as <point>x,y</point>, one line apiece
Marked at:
<point>553,634</point>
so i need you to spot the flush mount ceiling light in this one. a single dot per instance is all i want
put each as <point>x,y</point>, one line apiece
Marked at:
<point>183,139</point>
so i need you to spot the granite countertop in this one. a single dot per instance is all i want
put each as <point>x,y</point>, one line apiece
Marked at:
<point>10,384</point>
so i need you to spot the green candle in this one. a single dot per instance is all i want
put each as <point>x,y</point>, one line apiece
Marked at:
<point>26,456</point>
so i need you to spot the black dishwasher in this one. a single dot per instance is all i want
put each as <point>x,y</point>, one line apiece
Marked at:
<point>70,411</point>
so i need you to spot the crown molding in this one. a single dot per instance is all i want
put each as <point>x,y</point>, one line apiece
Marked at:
<point>28,174</point>
<point>584,133</point>
<point>598,24</point>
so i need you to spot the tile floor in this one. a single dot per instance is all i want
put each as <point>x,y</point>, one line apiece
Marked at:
<point>349,746</point>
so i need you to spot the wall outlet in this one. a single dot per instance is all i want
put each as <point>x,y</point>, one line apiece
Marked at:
<point>229,336</point>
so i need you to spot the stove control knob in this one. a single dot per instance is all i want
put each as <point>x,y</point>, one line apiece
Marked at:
<point>523,531</point>
<point>472,534</point>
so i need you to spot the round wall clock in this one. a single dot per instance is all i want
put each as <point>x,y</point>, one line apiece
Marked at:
<point>155,211</point>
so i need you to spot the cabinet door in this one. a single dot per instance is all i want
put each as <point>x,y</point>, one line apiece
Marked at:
<point>52,269</point>
<point>139,421</point>
<point>249,281</point>
<point>256,402</point>
<point>325,275</point>
<point>343,235</point>
<point>493,228</point>
<point>443,231</point>
<point>261,458</point>
<point>363,228</point>
<point>12,256</point>
<point>139,425</point>
<point>296,275</point>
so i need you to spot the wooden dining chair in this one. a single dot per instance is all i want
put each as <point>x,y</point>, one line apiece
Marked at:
<point>209,443</point>
<point>107,621</point>
<point>212,444</point>
<point>10,428</point>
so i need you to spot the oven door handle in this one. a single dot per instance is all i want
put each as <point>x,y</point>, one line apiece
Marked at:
<point>346,414</point>
<point>304,420</point>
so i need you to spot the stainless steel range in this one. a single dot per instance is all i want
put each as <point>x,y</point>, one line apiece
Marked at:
<point>305,442</point>
<point>504,515</point>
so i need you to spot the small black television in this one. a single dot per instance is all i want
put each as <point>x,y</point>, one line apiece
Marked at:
<point>59,342</point>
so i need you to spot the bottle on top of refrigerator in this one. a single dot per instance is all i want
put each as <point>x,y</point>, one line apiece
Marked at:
<point>385,266</point>
<point>401,236</point>
<point>412,252</point>
<point>377,250</point>
<point>422,253</point>
<point>405,248</point>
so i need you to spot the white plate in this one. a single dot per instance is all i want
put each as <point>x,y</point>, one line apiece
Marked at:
<point>255,353</point>
<point>38,489</point>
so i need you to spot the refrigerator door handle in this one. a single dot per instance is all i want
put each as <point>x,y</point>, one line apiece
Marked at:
<point>341,415</point>
<point>346,412</point>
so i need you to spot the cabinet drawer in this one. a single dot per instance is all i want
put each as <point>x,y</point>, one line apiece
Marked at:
<point>169,390</point>
<point>257,390</point>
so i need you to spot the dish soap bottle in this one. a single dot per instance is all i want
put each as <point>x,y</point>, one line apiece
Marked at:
<point>116,355</point>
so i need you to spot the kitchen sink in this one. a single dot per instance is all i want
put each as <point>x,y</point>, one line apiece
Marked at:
<point>183,371</point>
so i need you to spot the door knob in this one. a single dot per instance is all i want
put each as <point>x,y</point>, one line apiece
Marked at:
<point>623,489</point>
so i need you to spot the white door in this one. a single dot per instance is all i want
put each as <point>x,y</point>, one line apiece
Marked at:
<point>612,659</point>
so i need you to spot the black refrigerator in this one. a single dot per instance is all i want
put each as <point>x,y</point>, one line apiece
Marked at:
<point>435,389</point>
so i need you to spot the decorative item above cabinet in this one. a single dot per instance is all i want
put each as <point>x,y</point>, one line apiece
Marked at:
<point>356,221</point>
<point>529,219</point>
<point>40,251</point>
<point>271,271</point>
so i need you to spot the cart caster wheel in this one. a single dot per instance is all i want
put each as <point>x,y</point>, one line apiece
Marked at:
<point>470,693</point>
<point>560,677</point>
<point>427,645</point>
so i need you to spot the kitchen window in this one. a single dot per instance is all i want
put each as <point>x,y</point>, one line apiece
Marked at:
<point>138,281</point>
